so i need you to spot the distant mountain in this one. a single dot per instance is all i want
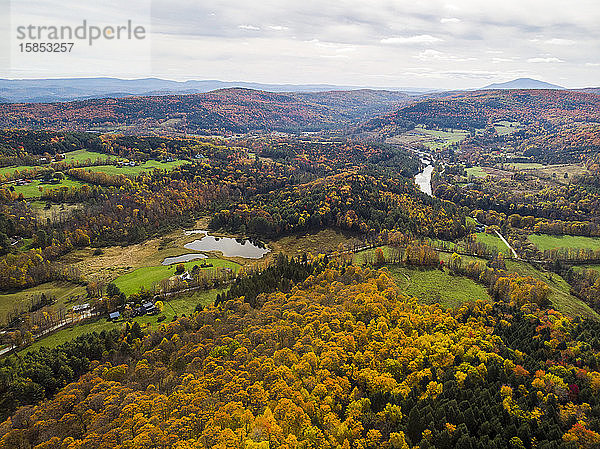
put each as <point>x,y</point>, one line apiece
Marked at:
<point>591,90</point>
<point>70,89</point>
<point>522,83</point>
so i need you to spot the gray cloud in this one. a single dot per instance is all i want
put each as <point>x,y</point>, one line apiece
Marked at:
<point>438,43</point>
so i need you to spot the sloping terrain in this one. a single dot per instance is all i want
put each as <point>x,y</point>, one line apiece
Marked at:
<point>227,110</point>
<point>477,109</point>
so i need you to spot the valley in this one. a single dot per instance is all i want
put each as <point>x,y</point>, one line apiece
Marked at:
<point>407,253</point>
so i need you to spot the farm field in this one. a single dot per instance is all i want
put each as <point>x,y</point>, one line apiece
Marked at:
<point>545,241</point>
<point>20,168</point>
<point>588,267</point>
<point>72,156</point>
<point>493,241</point>
<point>431,138</point>
<point>561,173</point>
<point>558,172</point>
<point>476,172</point>
<point>136,170</point>
<point>63,291</point>
<point>522,165</point>
<point>435,286</point>
<point>32,190</point>
<point>85,155</point>
<point>147,277</point>
<point>505,127</point>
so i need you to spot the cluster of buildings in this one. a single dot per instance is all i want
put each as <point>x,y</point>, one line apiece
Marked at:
<point>146,308</point>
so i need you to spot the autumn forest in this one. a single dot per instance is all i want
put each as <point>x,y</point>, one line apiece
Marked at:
<point>345,269</point>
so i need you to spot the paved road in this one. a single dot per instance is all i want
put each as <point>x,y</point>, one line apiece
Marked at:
<point>79,317</point>
<point>5,350</point>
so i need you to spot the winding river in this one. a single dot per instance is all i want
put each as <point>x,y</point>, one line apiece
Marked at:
<point>423,179</point>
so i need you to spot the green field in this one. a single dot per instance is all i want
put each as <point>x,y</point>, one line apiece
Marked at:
<point>435,286</point>
<point>183,305</point>
<point>560,297</point>
<point>368,255</point>
<point>84,156</point>
<point>544,241</point>
<point>32,190</point>
<point>431,138</point>
<point>148,276</point>
<point>493,241</point>
<point>587,267</point>
<point>133,171</point>
<point>72,156</point>
<point>441,139</point>
<point>505,127</point>
<point>14,168</point>
<point>476,172</point>
<point>523,165</point>
<point>64,291</point>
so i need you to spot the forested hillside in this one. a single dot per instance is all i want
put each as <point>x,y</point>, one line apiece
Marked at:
<point>223,111</point>
<point>342,360</point>
<point>422,279</point>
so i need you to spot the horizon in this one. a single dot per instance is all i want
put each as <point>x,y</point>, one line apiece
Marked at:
<point>438,45</point>
<point>422,88</point>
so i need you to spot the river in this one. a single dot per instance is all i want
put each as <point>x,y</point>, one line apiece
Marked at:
<point>423,179</point>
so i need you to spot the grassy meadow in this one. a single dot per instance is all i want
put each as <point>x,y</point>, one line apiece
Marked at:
<point>149,276</point>
<point>64,292</point>
<point>545,241</point>
<point>126,170</point>
<point>435,286</point>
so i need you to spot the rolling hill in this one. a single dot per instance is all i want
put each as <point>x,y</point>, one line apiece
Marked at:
<point>223,111</point>
<point>72,89</point>
<point>465,110</point>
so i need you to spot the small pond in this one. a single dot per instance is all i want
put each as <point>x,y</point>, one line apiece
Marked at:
<point>183,258</point>
<point>229,247</point>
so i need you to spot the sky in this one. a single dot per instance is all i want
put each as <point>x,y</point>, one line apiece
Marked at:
<point>377,43</point>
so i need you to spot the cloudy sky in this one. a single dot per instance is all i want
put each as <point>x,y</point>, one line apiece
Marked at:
<point>379,43</point>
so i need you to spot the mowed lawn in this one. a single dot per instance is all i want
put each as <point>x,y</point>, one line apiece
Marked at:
<point>544,241</point>
<point>149,276</point>
<point>434,286</point>
<point>136,170</point>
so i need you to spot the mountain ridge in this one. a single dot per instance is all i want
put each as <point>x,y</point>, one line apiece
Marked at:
<point>53,90</point>
<point>522,83</point>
